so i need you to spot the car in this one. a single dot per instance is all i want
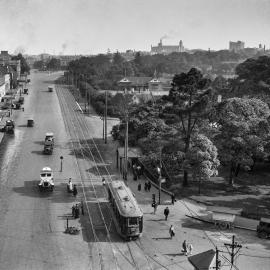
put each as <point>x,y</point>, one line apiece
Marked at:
<point>263,229</point>
<point>30,122</point>
<point>46,180</point>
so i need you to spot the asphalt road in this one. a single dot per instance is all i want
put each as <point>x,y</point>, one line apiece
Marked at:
<point>32,225</point>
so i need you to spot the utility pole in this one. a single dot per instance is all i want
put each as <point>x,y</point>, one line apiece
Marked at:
<point>217,260</point>
<point>126,150</point>
<point>106,104</point>
<point>235,247</point>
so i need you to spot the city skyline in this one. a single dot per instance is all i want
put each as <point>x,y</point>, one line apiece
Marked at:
<point>91,27</point>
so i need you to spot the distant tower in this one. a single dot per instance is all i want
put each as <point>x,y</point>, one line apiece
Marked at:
<point>160,43</point>
<point>181,46</point>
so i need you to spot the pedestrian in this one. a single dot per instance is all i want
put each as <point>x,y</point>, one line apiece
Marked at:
<point>139,187</point>
<point>145,186</point>
<point>173,198</point>
<point>82,209</point>
<point>184,247</point>
<point>155,207</point>
<point>73,211</point>
<point>189,249</point>
<point>103,181</point>
<point>77,211</point>
<point>166,212</point>
<point>139,171</point>
<point>149,186</point>
<point>134,169</point>
<point>171,231</point>
<point>75,191</point>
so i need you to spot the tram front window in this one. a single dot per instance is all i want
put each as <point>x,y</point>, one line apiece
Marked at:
<point>133,221</point>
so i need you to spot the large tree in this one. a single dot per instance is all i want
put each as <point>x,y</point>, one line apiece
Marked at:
<point>202,158</point>
<point>24,66</point>
<point>190,98</point>
<point>244,131</point>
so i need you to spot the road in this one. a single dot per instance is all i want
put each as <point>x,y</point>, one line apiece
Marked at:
<point>32,225</point>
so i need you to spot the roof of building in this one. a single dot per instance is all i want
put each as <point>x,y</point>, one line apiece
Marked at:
<point>202,261</point>
<point>133,152</point>
<point>135,80</point>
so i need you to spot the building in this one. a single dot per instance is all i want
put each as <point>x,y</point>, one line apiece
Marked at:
<point>4,81</point>
<point>5,60</point>
<point>167,49</point>
<point>236,46</point>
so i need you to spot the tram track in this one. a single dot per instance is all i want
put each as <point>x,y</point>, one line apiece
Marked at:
<point>95,215</point>
<point>84,147</point>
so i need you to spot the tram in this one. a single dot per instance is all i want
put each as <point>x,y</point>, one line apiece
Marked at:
<point>128,216</point>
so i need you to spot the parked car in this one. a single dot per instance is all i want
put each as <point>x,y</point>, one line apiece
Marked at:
<point>263,229</point>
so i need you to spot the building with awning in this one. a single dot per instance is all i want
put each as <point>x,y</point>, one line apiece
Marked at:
<point>133,154</point>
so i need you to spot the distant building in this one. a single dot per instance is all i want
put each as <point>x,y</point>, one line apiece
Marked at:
<point>11,66</point>
<point>167,49</point>
<point>153,85</point>
<point>236,46</point>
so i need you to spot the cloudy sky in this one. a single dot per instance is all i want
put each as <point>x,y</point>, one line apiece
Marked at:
<point>94,26</point>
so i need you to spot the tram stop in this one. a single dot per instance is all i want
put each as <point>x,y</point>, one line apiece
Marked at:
<point>133,154</point>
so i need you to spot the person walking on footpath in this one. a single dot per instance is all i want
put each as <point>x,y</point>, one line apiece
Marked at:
<point>75,191</point>
<point>189,249</point>
<point>139,187</point>
<point>184,247</point>
<point>149,185</point>
<point>166,212</point>
<point>171,231</point>
<point>155,205</point>
<point>145,186</point>
<point>173,198</point>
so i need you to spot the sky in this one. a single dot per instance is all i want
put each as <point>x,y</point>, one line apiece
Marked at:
<point>94,26</point>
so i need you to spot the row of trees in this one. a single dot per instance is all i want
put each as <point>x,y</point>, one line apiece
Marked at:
<point>51,64</point>
<point>104,71</point>
<point>189,130</point>
<point>194,133</point>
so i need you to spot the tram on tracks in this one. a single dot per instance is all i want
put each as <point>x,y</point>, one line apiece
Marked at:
<point>128,216</point>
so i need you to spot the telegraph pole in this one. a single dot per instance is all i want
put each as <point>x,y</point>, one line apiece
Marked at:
<point>106,104</point>
<point>217,260</point>
<point>235,247</point>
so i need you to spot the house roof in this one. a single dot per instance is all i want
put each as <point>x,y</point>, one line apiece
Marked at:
<point>135,80</point>
<point>202,261</point>
<point>133,152</point>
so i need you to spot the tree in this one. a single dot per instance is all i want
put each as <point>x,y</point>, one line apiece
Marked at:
<point>118,59</point>
<point>24,66</point>
<point>190,97</point>
<point>38,64</point>
<point>255,69</point>
<point>201,158</point>
<point>54,64</point>
<point>244,130</point>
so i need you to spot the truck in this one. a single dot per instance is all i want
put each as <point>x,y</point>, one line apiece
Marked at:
<point>46,179</point>
<point>48,143</point>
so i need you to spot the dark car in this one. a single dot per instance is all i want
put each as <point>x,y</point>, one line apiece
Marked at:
<point>21,100</point>
<point>263,229</point>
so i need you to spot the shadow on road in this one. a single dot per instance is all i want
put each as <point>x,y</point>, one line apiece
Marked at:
<point>38,152</point>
